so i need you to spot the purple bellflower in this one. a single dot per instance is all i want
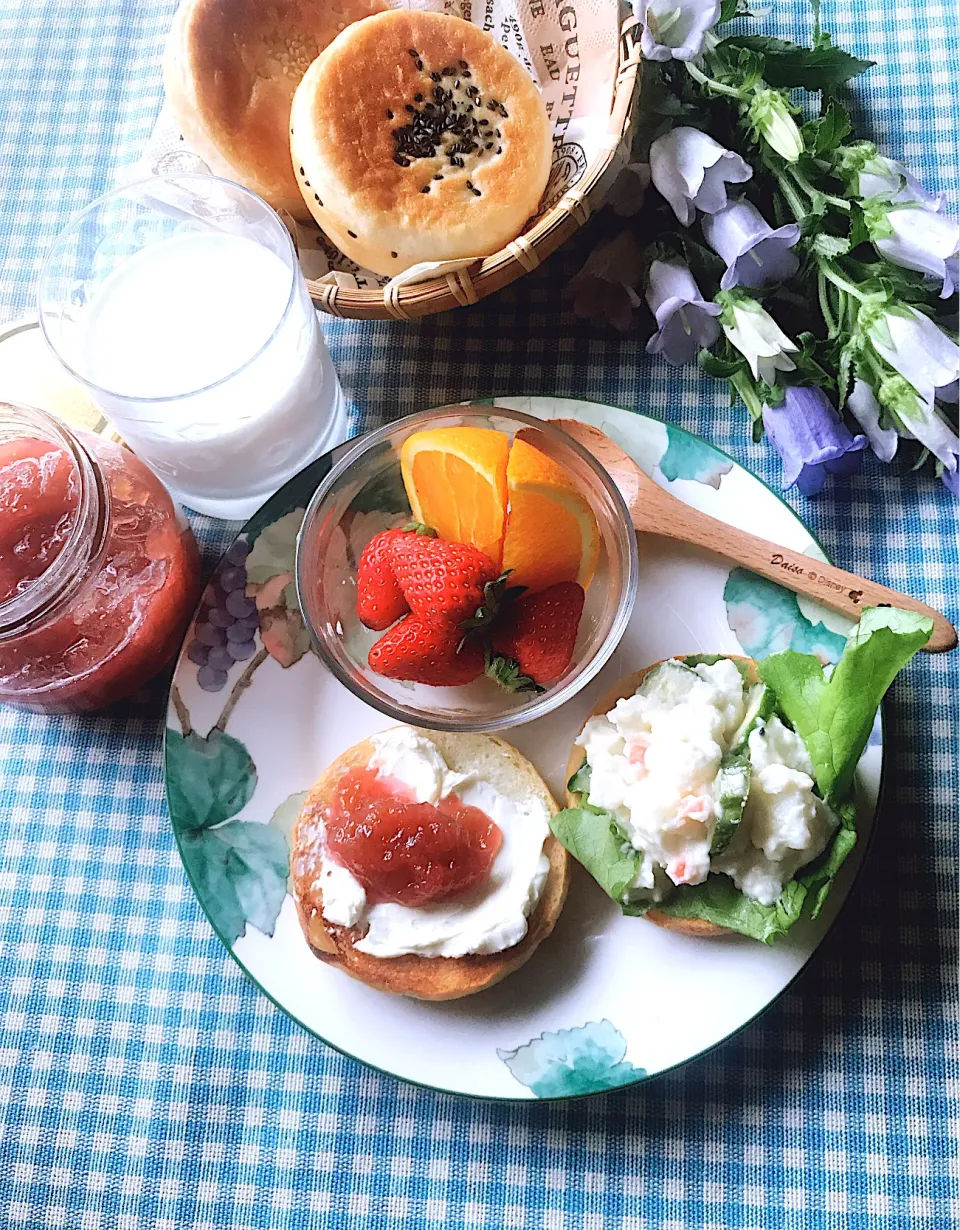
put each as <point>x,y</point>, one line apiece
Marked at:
<point>686,323</point>
<point>811,439</point>
<point>755,254</point>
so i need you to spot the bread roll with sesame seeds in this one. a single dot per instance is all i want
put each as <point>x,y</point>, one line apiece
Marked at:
<point>230,71</point>
<point>417,137</point>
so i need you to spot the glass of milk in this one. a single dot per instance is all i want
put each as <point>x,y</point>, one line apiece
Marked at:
<point>179,303</point>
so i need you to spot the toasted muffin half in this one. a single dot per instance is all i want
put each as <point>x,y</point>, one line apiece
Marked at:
<point>432,978</point>
<point>626,687</point>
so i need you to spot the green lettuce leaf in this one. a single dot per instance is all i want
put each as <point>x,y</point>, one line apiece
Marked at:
<point>594,839</point>
<point>717,900</point>
<point>834,717</point>
<point>817,879</point>
<point>579,783</point>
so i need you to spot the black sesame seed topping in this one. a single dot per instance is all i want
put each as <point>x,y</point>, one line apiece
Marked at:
<point>434,76</point>
<point>409,107</point>
<point>489,145</point>
<point>301,171</point>
<point>467,74</point>
<point>413,52</point>
<point>484,123</point>
<point>306,183</point>
<point>463,64</point>
<point>389,115</point>
<point>456,85</point>
<point>420,64</point>
<point>492,105</point>
<point>418,98</point>
<point>317,199</point>
<point>352,234</point>
<point>438,177</point>
<point>497,133</point>
<point>499,149</point>
<point>394,255</point>
<point>425,188</point>
<point>476,191</point>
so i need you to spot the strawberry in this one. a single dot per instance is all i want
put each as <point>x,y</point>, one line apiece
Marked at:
<point>423,652</point>
<point>380,600</point>
<point>533,643</point>
<point>442,581</point>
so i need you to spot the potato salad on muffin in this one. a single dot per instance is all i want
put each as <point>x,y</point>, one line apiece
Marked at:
<point>714,794</point>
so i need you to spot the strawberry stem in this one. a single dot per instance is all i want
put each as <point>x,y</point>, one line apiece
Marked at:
<point>417,527</point>
<point>507,673</point>
<point>497,596</point>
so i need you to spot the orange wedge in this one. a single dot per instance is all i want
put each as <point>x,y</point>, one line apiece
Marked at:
<point>456,481</point>
<point>552,534</point>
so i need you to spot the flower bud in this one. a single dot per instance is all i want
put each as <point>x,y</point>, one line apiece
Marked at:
<point>770,115</point>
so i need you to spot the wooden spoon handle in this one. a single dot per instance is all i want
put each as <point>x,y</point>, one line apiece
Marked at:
<point>841,591</point>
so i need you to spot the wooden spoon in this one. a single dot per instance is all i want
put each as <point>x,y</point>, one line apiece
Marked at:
<point>655,511</point>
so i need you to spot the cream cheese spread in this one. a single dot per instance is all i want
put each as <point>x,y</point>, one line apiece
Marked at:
<point>655,760</point>
<point>489,919</point>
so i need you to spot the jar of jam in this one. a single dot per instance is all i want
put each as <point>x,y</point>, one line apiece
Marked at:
<point>99,573</point>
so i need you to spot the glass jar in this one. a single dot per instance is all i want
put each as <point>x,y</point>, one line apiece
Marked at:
<point>99,572</point>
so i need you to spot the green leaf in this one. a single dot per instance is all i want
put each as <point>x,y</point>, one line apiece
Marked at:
<point>829,246</point>
<point>828,133</point>
<point>717,900</point>
<point>295,494</point>
<point>586,1059</point>
<point>729,9</point>
<point>720,369</point>
<point>594,839</point>
<point>711,659</point>
<point>579,783</point>
<point>285,817</point>
<point>818,878</point>
<point>275,550</point>
<point>787,65</point>
<point>239,871</point>
<point>208,780</point>
<point>834,718</point>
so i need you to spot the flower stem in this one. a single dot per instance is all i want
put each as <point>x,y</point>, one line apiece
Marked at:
<point>797,207</point>
<point>830,271</point>
<point>804,184</point>
<point>823,291</point>
<point>709,83</point>
<point>748,394</point>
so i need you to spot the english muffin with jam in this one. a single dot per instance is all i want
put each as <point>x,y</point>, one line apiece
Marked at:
<point>423,864</point>
<point>417,137</point>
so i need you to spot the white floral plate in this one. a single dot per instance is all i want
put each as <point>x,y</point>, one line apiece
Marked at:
<point>607,1000</point>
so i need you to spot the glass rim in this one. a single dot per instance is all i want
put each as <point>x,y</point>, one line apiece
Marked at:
<point>78,220</point>
<point>508,719</point>
<point>48,592</point>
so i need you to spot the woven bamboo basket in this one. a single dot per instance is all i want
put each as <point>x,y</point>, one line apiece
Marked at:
<point>520,256</point>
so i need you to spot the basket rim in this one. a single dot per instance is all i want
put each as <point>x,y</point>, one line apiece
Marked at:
<point>523,254</point>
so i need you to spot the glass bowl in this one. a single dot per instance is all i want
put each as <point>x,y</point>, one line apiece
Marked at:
<point>364,494</point>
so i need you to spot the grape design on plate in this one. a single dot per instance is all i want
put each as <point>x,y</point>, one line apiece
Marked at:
<point>226,627</point>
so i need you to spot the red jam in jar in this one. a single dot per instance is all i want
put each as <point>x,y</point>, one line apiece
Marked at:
<point>403,851</point>
<point>98,572</point>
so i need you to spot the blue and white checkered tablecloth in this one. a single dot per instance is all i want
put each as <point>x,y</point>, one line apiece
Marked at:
<point>146,1085</point>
